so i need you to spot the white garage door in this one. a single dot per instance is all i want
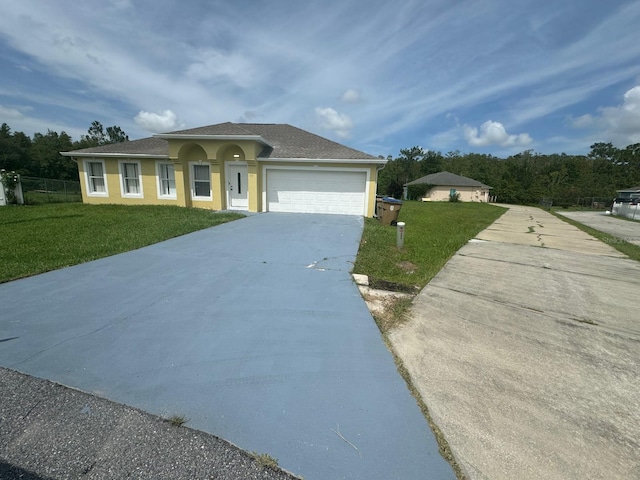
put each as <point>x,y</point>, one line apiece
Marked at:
<point>316,191</point>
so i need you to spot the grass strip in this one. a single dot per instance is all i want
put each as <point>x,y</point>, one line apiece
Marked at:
<point>629,249</point>
<point>434,232</point>
<point>40,238</point>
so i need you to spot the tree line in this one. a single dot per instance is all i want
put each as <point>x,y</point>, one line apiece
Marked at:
<point>524,178</point>
<point>39,156</point>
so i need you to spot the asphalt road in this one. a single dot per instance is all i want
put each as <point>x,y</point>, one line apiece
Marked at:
<point>51,432</point>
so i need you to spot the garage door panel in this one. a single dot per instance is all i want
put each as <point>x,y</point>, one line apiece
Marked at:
<point>312,191</point>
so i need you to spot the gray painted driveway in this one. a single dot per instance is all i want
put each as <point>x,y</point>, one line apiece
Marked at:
<point>253,330</point>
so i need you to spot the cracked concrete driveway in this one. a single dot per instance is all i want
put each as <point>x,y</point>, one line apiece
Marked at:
<point>626,230</point>
<point>253,330</point>
<point>526,349</point>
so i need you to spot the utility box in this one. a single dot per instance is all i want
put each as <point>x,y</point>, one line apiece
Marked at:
<point>388,210</point>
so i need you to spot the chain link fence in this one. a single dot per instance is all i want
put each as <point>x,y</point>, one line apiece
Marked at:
<point>46,190</point>
<point>596,203</point>
<point>589,203</point>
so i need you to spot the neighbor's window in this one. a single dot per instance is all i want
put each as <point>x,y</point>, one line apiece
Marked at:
<point>201,181</point>
<point>166,180</point>
<point>96,182</point>
<point>130,174</point>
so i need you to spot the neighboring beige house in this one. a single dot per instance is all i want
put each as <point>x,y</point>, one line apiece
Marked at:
<point>233,166</point>
<point>445,184</point>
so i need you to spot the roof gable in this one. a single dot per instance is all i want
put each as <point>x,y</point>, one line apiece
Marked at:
<point>448,179</point>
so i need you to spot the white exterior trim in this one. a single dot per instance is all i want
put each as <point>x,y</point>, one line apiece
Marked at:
<point>377,161</point>
<point>192,182</point>
<point>159,181</point>
<point>255,138</point>
<point>123,192</point>
<point>366,171</point>
<point>91,193</point>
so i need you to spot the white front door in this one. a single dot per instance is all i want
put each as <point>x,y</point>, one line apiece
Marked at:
<point>236,176</point>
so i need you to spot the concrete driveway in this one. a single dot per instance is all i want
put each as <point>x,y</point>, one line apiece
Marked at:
<point>253,330</point>
<point>526,349</point>
<point>616,226</point>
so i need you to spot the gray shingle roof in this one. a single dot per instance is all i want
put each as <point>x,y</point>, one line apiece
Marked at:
<point>144,146</point>
<point>448,179</point>
<point>286,142</point>
<point>631,189</point>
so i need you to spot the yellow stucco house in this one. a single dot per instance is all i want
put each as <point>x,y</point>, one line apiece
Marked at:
<point>444,184</point>
<point>232,166</point>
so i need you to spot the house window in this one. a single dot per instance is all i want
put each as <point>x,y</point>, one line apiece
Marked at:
<point>201,181</point>
<point>130,182</point>
<point>95,178</point>
<point>166,180</point>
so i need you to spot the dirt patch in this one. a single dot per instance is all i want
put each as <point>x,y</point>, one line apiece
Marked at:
<point>393,287</point>
<point>407,267</point>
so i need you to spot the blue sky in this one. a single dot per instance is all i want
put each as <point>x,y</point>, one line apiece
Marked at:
<point>486,76</point>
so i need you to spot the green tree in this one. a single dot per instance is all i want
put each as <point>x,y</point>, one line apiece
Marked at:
<point>14,151</point>
<point>604,151</point>
<point>45,154</point>
<point>431,162</point>
<point>97,136</point>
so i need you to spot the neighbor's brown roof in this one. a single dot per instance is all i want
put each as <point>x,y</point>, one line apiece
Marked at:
<point>448,179</point>
<point>285,141</point>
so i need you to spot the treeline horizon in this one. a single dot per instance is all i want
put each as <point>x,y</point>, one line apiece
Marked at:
<point>39,156</point>
<point>524,178</point>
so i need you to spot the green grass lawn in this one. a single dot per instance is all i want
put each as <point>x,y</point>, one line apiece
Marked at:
<point>38,198</point>
<point>434,232</point>
<point>39,238</point>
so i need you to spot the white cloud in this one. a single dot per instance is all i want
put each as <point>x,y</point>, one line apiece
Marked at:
<point>332,120</point>
<point>351,96</point>
<point>583,121</point>
<point>415,62</point>
<point>248,117</point>
<point>494,133</point>
<point>9,113</point>
<point>619,124</point>
<point>158,122</point>
<point>625,119</point>
<point>213,65</point>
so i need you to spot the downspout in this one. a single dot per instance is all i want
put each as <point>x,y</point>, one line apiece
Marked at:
<point>375,205</point>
